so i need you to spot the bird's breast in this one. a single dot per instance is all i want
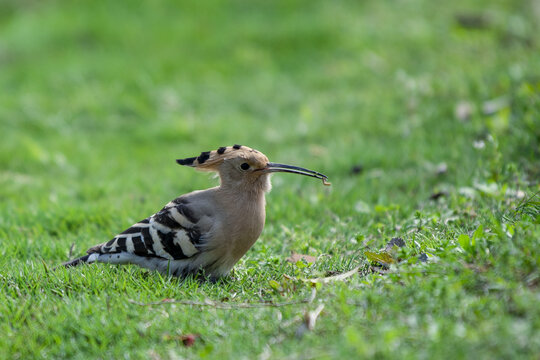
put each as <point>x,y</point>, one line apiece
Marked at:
<point>245,229</point>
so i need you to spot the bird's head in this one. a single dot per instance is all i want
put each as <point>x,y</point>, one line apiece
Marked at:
<point>241,166</point>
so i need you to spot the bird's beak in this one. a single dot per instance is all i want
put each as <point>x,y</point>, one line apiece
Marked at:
<point>273,167</point>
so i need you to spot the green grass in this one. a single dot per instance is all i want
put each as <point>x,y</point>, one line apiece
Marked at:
<point>98,98</point>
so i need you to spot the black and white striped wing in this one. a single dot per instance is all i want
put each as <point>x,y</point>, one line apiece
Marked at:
<point>171,234</point>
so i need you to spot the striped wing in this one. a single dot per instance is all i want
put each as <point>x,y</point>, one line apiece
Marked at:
<point>172,234</point>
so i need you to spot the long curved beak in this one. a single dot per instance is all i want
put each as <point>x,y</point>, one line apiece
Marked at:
<point>274,167</point>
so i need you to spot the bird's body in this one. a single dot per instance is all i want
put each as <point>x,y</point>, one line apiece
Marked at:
<point>205,231</point>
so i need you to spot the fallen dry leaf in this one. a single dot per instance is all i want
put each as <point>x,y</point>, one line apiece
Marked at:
<point>295,257</point>
<point>187,339</point>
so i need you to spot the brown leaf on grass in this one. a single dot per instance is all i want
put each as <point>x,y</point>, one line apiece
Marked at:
<point>295,257</point>
<point>187,339</point>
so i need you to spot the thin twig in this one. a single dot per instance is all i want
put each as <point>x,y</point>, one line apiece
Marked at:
<point>313,294</point>
<point>339,277</point>
<point>220,305</point>
<point>310,318</point>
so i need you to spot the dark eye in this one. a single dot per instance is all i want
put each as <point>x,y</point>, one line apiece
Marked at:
<point>244,166</point>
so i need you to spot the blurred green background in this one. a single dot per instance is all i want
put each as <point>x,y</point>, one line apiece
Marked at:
<point>129,86</point>
<point>395,101</point>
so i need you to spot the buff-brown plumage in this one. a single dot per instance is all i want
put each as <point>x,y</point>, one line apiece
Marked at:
<point>205,231</point>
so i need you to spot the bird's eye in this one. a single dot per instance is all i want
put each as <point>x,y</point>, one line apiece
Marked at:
<point>244,166</point>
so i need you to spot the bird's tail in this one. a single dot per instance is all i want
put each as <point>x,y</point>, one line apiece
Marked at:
<point>86,259</point>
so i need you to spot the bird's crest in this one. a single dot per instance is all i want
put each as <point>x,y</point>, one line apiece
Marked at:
<point>208,160</point>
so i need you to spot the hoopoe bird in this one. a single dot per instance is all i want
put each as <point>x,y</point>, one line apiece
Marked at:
<point>205,231</point>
